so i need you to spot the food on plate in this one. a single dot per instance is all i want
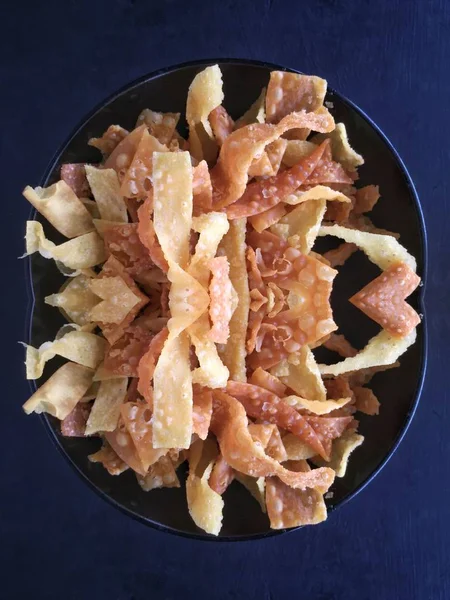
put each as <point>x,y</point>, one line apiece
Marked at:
<point>195,299</point>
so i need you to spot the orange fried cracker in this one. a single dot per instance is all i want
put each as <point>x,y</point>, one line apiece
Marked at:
<point>383,300</point>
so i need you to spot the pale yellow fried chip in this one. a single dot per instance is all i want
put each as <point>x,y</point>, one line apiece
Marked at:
<point>188,300</point>
<point>383,250</point>
<point>92,207</point>
<point>172,216</point>
<point>212,227</point>
<point>105,188</point>
<point>340,147</point>
<point>61,207</point>
<point>160,475</point>
<point>117,300</point>
<point>204,504</point>
<point>318,192</point>
<point>106,408</point>
<point>340,452</point>
<point>80,347</point>
<point>212,372</point>
<point>60,394</point>
<point>317,407</point>
<point>75,299</point>
<point>287,507</point>
<point>256,487</point>
<point>296,449</point>
<point>300,372</point>
<point>301,226</point>
<point>172,395</point>
<point>383,349</point>
<point>81,252</point>
<point>296,150</point>
<point>205,94</point>
<point>234,352</point>
<point>256,112</point>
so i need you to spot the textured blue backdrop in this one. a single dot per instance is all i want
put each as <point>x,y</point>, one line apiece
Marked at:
<point>58,539</point>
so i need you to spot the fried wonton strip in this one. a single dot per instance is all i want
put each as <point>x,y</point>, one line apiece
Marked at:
<point>74,174</point>
<point>262,404</point>
<point>221,475</point>
<point>365,199</point>
<point>301,226</point>
<point>109,459</point>
<point>122,444</point>
<point>316,407</point>
<point>383,349</point>
<point>318,192</point>
<point>256,112</point>
<point>301,374</point>
<point>338,256</point>
<point>261,195</point>
<point>147,365</point>
<point>123,242</point>
<point>211,227</point>
<point>172,218</point>
<point>296,449</point>
<point>161,474</point>
<point>211,372</point>
<point>80,347</point>
<point>261,167</point>
<point>137,181</point>
<point>383,250</point>
<point>161,125</point>
<point>185,308</point>
<point>366,401</point>
<point>74,425</point>
<point>75,299</point>
<point>231,428</point>
<point>230,175</point>
<point>342,447</point>
<point>60,394</point>
<point>110,139</point>
<point>147,235</point>
<point>221,124</point>
<point>287,507</point>
<point>205,94</point>
<point>289,92</point>
<point>137,420</point>
<point>338,343</point>
<point>106,191</point>
<point>383,300</point>
<point>204,504</point>
<point>234,353</point>
<point>220,307</point>
<point>202,411</point>
<point>340,147</point>
<point>267,218</point>
<point>255,485</point>
<point>82,252</point>
<point>267,381</point>
<point>106,408</point>
<point>61,207</point>
<point>172,396</point>
<point>295,151</point>
<point>201,188</point>
<point>122,155</point>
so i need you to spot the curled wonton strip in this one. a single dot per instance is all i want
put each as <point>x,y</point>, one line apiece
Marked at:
<point>61,207</point>
<point>240,451</point>
<point>60,394</point>
<point>204,95</point>
<point>383,349</point>
<point>230,175</point>
<point>204,504</point>
<point>383,250</point>
<point>82,252</point>
<point>80,347</point>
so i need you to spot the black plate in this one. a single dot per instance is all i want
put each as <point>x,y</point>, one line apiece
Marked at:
<point>398,210</point>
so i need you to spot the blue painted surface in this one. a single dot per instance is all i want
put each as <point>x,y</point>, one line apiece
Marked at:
<point>58,539</point>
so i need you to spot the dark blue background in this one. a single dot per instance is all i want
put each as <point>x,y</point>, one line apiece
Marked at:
<point>58,539</point>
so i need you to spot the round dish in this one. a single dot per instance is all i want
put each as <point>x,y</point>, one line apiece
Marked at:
<point>166,509</point>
